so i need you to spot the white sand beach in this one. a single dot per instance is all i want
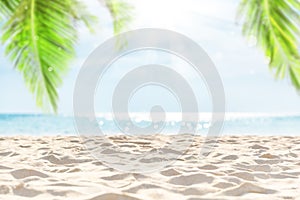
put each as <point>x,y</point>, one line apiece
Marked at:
<point>241,167</point>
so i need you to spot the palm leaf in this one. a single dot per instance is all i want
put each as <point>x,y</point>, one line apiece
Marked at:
<point>80,13</point>
<point>275,26</point>
<point>121,13</point>
<point>40,37</point>
<point>7,7</point>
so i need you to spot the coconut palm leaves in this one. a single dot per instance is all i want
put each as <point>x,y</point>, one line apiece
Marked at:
<point>275,25</point>
<point>40,37</point>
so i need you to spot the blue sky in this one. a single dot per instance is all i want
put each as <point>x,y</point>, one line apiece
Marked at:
<point>249,85</point>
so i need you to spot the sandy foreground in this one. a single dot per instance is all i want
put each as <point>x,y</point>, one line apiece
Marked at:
<point>241,167</point>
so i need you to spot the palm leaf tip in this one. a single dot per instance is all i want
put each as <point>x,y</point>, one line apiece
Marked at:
<point>275,25</point>
<point>121,13</point>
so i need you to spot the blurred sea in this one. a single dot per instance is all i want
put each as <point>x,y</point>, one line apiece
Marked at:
<point>235,124</point>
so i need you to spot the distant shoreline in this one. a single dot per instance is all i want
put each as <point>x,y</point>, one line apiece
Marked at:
<point>235,124</point>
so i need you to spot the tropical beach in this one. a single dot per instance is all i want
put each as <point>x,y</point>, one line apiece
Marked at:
<point>149,100</point>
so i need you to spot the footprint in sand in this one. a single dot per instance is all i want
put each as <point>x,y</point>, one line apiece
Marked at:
<point>246,188</point>
<point>244,175</point>
<point>3,154</point>
<point>23,173</point>
<point>112,196</point>
<point>21,190</point>
<point>4,167</point>
<point>64,160</point>
<point>191,179</point>
<point>256,146</point>
<point>224,185</point>
<point>170,172</point>
<point>199,191</point>
<point>4,189</point>
<point>230,157</point>
<point>208,167</point>
<point>142,187</point>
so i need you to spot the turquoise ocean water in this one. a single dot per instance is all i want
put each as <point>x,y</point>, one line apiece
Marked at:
<point>235,124</point>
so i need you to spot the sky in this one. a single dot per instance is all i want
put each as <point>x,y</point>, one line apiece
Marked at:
<point>249,84</point>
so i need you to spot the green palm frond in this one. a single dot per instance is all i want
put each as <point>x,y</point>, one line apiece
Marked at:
<point>121,13</point>
<point>40,37</point>
<point>7,7</point>
<point>80,13</point>
<point>275,25</point>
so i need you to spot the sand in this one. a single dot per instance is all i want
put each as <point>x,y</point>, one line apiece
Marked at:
<point>241,167</point>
